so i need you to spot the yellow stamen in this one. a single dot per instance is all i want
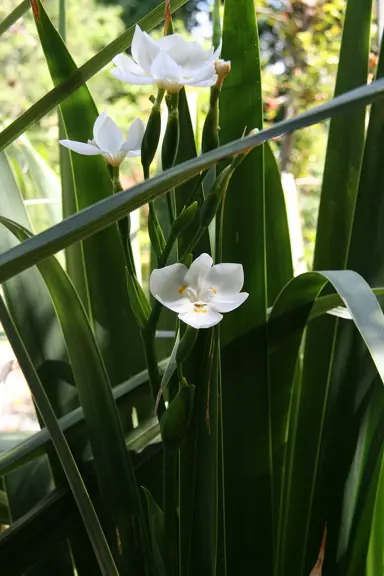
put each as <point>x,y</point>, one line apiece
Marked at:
<point>200,308</point>
<point>213,290</point>
<point>182,289</point>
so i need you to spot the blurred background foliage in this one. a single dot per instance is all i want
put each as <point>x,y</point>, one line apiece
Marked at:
<point>299,39</point>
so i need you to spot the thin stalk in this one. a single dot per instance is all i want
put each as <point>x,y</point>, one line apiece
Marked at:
<point>83,501</point>
<point>124,225</point>
<point>148,337</point>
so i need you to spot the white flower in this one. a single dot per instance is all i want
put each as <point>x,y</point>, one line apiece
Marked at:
<point>170,62</point>
<point>109,141</point>
<point>201,292</point>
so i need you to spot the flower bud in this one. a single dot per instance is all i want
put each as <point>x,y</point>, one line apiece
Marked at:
<point>223,68</point>
<point>172,133</point>
<point>138,300</point>
<point>151,136</point>
<point>175,420</point>
<point>184,220</point>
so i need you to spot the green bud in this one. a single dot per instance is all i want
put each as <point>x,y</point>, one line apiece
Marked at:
<point>184,220</point>
<point>172,133</point>
<point>210,137</point>
<point>186,344</point>
<point>151,136</point>
<point>138,300</point>
<point>175,420</point>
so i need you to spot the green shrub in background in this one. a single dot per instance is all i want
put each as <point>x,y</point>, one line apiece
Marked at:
<point>259,441</point>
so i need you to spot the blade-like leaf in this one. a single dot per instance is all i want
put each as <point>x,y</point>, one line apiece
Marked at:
<point>347,424</point>
<point>336,213</point>
<point>278,242</point>
<point>101,215</point>
<point>247,488</point>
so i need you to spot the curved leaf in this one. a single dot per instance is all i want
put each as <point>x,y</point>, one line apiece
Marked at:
<point>292,495</point>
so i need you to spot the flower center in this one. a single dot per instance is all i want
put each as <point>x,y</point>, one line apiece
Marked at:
<point>200,307</point>
<point>197,296</point>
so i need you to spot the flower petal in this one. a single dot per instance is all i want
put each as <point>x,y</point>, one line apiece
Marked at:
<point>144,49</point>
<point>165,68</point>
<point>81,148</point>
<point>226,279</point>
<point>206,74</point>
<point>136,79</point>
<point>202,318</point>
<point>126,65</point>
<point>183,305</point>
<point>198,271</point>
<point>167,284</point>
<point>134,136</point>
<point>221,305</point>
<point>108,137</point>
<point>98,124</point>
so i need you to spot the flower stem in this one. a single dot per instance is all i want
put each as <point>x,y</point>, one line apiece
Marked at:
<point>124,225</point>
<point>148,337</point>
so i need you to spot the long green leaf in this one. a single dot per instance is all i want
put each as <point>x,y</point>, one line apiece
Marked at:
<point>101,215</point>
<point>84,73</point>
<point>346,410</point>
<point>247,488</point>
<point>278,242</point>
<point>336,213</point>
<point>110,311</point>
<point>113,465</point>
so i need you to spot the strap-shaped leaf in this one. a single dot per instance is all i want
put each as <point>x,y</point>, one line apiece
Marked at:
<point>102,214</point>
